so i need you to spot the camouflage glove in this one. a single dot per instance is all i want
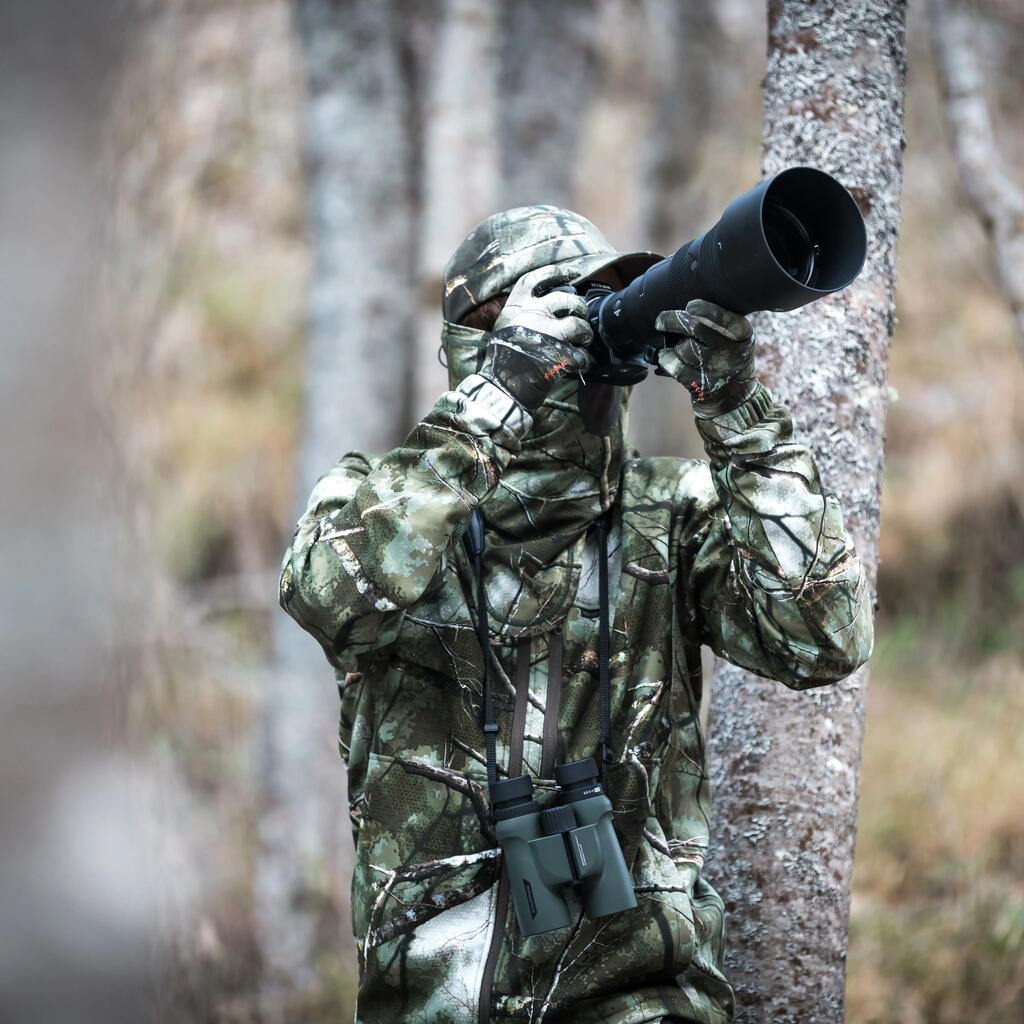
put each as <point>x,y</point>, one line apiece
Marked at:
<point>713,357</point>
<point>538,337</point>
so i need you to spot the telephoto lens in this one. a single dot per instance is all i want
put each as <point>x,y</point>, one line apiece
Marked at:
<point>794,238</point>
<point>608,890</point>
<point>537,865</point>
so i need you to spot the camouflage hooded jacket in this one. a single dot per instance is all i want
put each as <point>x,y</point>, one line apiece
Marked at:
<point>744,553</point>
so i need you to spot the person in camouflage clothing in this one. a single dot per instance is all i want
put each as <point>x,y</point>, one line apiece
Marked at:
<point>745,553</point>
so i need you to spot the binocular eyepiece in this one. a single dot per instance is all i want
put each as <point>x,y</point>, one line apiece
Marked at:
<point>792,239</point>
<point>569,845</point>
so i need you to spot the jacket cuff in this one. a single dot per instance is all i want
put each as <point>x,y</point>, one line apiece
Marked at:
<point>754,427</point>
<point>493,409</point>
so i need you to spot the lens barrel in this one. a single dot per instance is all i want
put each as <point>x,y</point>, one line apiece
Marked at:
<point>794,238</point>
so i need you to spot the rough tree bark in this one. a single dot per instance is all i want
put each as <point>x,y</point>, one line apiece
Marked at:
<point>785,765</point>
<point>995,197</point>
<point>363,63</point>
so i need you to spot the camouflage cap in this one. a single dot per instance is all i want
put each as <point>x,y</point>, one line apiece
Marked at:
<point>499,250</point>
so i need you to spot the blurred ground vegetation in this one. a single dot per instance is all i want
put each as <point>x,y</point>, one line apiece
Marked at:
<point>207,292</point>
<point>937,927</point>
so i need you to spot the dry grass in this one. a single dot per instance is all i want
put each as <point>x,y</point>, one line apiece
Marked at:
<point>937,928</point>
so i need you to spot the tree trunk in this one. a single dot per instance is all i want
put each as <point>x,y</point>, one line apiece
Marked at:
<point>460,164</point>
<point>785,765</point>
<point>547,71</point>
<point>78,931</point>
<point>604,109</point>
<point>994,196</point>
<point>683,44</point>
<point>363,68</point>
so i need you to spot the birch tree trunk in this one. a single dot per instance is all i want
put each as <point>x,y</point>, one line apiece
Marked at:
<point>363,64</point>
<point>785,765</point>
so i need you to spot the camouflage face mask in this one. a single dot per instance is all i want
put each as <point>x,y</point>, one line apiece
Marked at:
<point>565,476</point>
<point>567,472</point>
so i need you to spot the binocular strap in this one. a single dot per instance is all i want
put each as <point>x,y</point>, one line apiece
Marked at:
<point>474,540</point>
<point>515,756</point>
<point>604,648</point>
<point>552,706</point>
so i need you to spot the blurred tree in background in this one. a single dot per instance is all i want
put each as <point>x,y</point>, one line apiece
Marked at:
<point>77,892</point>
<point>201,367</point>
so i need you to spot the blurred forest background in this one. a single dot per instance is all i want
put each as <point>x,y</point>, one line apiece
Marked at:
<point>155,368</point>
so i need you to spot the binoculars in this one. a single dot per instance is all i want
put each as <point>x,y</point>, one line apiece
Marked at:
<point>794,238</point>
<point>571,845</point>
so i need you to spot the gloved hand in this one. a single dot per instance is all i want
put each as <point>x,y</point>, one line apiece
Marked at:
<point>713,357</point>
<point>538,338</point>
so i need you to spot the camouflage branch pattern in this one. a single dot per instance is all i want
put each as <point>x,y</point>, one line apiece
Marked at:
<point>745,553</point>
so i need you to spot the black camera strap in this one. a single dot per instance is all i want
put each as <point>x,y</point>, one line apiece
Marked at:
<point>604,642</point>
<point>474,538</point>
<point>474,541</point>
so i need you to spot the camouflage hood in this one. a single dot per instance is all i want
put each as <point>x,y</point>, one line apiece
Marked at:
<point>500,249</point>
<point>568,470</point>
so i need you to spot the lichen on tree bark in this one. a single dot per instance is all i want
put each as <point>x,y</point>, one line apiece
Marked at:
<point>785,765</point>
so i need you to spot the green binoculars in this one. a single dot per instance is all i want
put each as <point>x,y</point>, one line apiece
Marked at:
<point>571,845</point>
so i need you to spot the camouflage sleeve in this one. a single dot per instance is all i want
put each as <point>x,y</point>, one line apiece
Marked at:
<point>372,537</point>
<point>776,583</point>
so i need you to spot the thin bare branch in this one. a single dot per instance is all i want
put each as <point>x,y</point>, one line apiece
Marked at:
<point>996,198</point>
